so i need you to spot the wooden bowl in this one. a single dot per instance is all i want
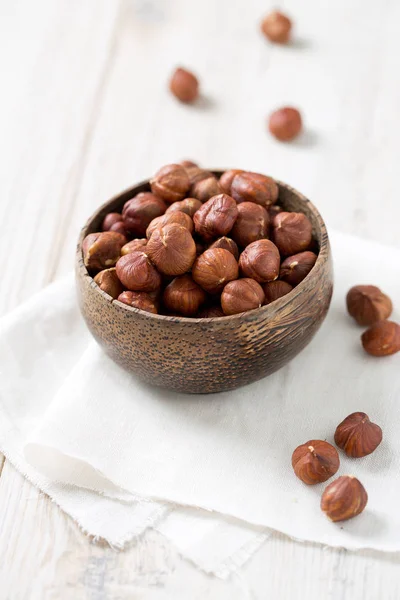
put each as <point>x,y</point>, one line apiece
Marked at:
<point>208,355</point>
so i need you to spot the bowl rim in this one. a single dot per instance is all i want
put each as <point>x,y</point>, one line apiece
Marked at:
<point>272,308</point>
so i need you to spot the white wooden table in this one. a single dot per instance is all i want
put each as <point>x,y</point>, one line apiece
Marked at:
<point>84,112</point>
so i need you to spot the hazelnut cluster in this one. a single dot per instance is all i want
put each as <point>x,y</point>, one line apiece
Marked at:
<point>197,246</point>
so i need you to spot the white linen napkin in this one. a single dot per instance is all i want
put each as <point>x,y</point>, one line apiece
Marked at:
<point>70,417</point>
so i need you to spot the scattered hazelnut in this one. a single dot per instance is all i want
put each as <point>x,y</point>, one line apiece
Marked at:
<point>102,250</point>
<point>292,232</point>
<point>252,224</point>
<point>133,245</point>
<point>214,269</point>
<point>136,272</point>
<point>205,189</point>
<point>216,217</point>
<point>138,212</point>
<point>109,283</point>
<point>227,244</point>
<point>184,85</point>
<point>344,498</point>
<point>225,181</point>
<point>211,312</point>
<point>315,461</point>
<point>253,187</point>
<point>277,27</point>
<point>183,296</point>
<point>171,183</point>
<point>241,295</point>
<point>188,163</point>
<point>141,300</point>
<point>260,260</point>
<point>188,206</point>
<point>119,228</point>
<point>109,220</point>
<point>285,124</point>
<point>382,338</point>
<point>178,217</point>
<point>357,436</point>
<point>367,304</point>
<point>172,249</point>
<point>295,268</point>
<point>275,289</point>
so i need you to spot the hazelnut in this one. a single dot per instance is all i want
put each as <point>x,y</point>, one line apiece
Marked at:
<point>315,461</point>
<point>109,220</point>
<point>357,436</point>
<point>102,250</point>
<point>141,300</point>
<point>382,338</point>
<point>140,211</point>
<point>204,189</point>
<point>367,304</point>
<point>119,228</point>
<point>274,210</point>
<point>196,174</point>
<point>188,206</point>
<point>188,163</point>
<point>133,245</point>
<point>275,289</point>
<point>344,498</point>
<point>109,283</point>
<point>178,217</point>
<point>241,295</point>
<point>136,272</point>
<point>260,260</point>
<point>184,85</point>
<point>211,312</point>
<point>216,217</point>
<point>183,296</point>
<point>254,187</point>
<point>225,181</point>
<point>252,224</point>
<point>172,249</point>
<point>214,269</point>
<point>285,123</point>
<point>292,232</point>
<point>171,183</point>
<point>295,268</point>
<point>277,27</point>
<point>227,244</point>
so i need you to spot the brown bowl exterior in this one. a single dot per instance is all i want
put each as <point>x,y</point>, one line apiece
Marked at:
<point>208,355</point>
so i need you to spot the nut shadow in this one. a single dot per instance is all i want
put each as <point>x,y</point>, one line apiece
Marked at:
<point>308,139</point>
<point>205,103</point>
<point>299,43</point>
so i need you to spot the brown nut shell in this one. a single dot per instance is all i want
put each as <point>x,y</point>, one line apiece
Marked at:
<point>138,212</point>
<point>227,244</point>
<point>344,498</point>
<point>184,85</point>
<point>252,224</point>
<point>260,261</point>
<point>241,295</point>
<point>177,217</point>
<point>172,249</point>
<point>109,220</point>
<point>216,217</point>
<point>188,206</point>
<point>138,244</point>
<point>196,174</point>
<point>315,461</point>
<point>357,435</point>
<point>292,232</point>
<point>211,312</point>
<point>285,124</point>
<point>119,228</point>
<point>368,305</point>
<point>141,300</point>
<point>275,289</point>
<point>382,339</point>
<point>205,189</point>
<point>171,183</point>
<point>214,269</point>
<point>109,283</point>
<point>184,296</point>
<point>136,272</point>
<point>225,181</point>
<point>277,27</point>
<point>188,163</point>
<point>254,187</point>
<point>102,250</point>
<point>295,268</point>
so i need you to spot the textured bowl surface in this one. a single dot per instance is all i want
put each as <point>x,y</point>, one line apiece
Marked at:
<point>208,355</point>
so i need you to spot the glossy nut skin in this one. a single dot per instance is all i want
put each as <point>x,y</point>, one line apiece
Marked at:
<point>205,189</point>
<point>357,435</point>
<point>241,295</point>
<point>102,250</point>
<point>196,174</point>
<point>119,228</point>
<point>368,305</point>
<point>260,261</point>
<point>177,217</point>
<point>295,268</point>
<point>188,206</point>
<point>382,339</point>
<point>344,498</point>
<point>172,249</point>
<point>188,163</point>
<point>184,85</point>
<point>315,461</point>
<point>109,220</point>
<point>214,269</point>
<point>275,289</point>
<point>137,274</point>
<point>211,312</point>
<point>141,300</point>
<point>277,27</point>
<point>216,217</point>
<point>225,181</point>
<point>292,232</point>
<point>285,124</point>
<point>227,244</point>
<point>138,244</point>
<point>252,224</point>
<point>108,281</point>
<point>138,212</point>
<point>183,296</point>
<point>254,187</point>
<point>171,183</point>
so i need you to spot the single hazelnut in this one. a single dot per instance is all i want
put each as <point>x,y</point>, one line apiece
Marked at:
<point>292,232</point>
<point>119,228</point>
<point>367,304</point>
<point>241,295</point>
<point>171,183</point>
<point>141,300</point>
<point>178,217</point>
<point>136,272</point>
<point>275,289</point>
<point>214,269</point>
<point>196,174</point>
<point>344,498</point>
<point>211,312</point>
<point>216,217</point>
<point>172,249</point>
<point>184,85</point>
<point>260,260</point>
<point>382,338</point>
<point>254,187</point>
<point>277,27</point>
<point>133,245</point>
<point>357,435</point>
<point>138,212</point>
<point>295,268</point>
<point>315,461</point>
<point>109,220</point>
<point>225,181</point>
<point>252,224</point>
<point>205,189</point>
<point>102,250</point>
<point>227,244</point>
<point>188,163</point>
<point>109,283</point>
<point>188,206</point>
<point>184,296</point>
<point>285,124</point>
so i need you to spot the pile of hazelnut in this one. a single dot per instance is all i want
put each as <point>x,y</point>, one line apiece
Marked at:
<point>199,246</point>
